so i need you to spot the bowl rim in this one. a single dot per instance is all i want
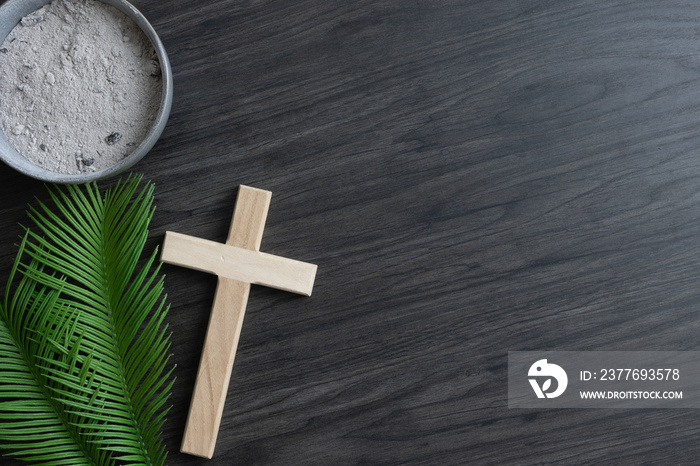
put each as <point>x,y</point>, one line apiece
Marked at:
<point>11,12</point>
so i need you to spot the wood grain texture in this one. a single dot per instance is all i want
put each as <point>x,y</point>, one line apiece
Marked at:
<point>224,329</point>
<point>471,177</point>
<point>223,260</point>
<point>215,367</point>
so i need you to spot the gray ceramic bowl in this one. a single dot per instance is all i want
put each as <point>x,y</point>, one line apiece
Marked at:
<point>11,12</point>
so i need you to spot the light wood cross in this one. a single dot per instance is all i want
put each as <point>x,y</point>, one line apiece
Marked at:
<point>238,263</point>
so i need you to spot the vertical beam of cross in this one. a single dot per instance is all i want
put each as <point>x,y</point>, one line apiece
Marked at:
<point>238,263</point>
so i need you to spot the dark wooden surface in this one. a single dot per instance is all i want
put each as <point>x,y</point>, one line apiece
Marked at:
<point>471,177</point>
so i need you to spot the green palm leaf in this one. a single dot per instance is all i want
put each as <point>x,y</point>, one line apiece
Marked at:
<point>84,352</point>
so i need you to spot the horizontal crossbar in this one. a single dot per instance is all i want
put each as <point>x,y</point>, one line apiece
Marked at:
<point>257,268</point>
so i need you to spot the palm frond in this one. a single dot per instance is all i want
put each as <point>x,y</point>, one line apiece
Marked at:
<point>84,352</point>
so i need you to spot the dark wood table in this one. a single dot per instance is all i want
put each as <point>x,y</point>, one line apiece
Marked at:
<point>472,178</point>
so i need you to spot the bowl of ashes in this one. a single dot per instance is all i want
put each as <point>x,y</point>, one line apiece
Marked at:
<point>86,88</point>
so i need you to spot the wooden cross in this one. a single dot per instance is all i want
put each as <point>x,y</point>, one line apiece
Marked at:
<point>238,264</point>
